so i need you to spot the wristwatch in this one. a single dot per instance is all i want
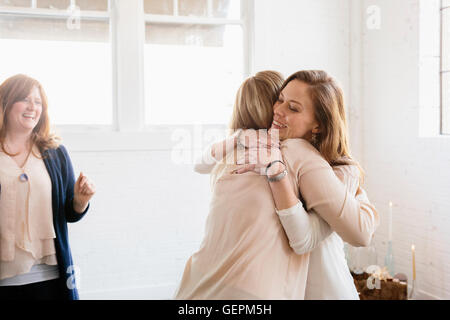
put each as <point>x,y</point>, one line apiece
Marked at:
<point>279,176</point>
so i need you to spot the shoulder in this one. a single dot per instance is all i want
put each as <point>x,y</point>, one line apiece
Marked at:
<point>299,146</point>
<point>58,153</point>
<point>302,156</point>
<point>299,143</point>
<point>347,169</point>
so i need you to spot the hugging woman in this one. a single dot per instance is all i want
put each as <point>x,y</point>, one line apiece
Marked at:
<point>260,242</point>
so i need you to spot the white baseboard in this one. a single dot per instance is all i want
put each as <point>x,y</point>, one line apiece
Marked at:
<point>166,292</point>
<point>423,295</point>
<point>157,292</point>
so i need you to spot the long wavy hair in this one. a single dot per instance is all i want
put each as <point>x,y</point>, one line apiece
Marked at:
<point>17,88</point>
<point>329,111</point>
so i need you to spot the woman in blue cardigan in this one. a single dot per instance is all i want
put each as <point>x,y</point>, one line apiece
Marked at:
<point>38,197</point>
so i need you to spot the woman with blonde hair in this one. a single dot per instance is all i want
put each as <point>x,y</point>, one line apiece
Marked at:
<point>38,197</point>
<point>244,253</point>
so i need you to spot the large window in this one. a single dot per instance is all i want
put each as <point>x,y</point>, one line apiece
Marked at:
<point>194,60</point>
<point>445,67</point>
<point>65,45</point>
<point>129,64</point>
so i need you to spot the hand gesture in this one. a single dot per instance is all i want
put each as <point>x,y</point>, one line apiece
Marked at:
<point>83,191</point>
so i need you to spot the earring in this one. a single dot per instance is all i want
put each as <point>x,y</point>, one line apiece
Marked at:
<point>314,139</point>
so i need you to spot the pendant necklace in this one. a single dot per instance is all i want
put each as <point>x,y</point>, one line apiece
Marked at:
<point>23,176</point>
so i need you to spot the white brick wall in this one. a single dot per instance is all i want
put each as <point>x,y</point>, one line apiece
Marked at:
<point>145,221</point>
<point>403,167</point>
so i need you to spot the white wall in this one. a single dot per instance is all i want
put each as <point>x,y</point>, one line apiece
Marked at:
<point>403,167</point>
<point>145,221</point>
<point>303,34</point>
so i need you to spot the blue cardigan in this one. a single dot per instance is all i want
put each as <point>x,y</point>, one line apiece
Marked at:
<point>59,167</point>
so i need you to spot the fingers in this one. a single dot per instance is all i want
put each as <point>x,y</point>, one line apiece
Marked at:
<point>246,168</point>
<point>83,180</point>
<point>259,156</point>
<point>84,186</point>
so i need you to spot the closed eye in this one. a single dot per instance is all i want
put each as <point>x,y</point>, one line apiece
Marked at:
<point>293,109</point>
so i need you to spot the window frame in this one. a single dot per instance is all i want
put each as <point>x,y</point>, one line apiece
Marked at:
<point>442,71</point>
<point>127,38</point>
<point>246,21</point>
<point>44,13</point>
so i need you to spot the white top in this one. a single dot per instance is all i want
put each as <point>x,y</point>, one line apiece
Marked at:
<point>38,273</point>
<point>329,277</point>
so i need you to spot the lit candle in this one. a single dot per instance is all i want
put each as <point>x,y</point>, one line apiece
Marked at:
<point>413,249</point>
<point>390,221</point>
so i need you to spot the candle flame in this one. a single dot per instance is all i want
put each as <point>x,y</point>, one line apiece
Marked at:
<point>390,204</point>
<point>413,247</point>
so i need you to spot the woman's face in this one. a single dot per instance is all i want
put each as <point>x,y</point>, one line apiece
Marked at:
<point>25,114</point>
<point>293,113</point>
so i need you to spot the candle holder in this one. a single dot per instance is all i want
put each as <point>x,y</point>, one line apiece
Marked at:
<point>413,252</point>
<point>411,293</point>
<point>389,259</point>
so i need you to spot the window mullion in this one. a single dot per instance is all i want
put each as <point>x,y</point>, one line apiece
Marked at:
<point>175,8</point>
<point>247,15</point>
<point>128,45</point>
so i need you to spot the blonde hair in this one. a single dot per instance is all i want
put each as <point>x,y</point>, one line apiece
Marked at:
<point>329,111</point>
<point>253,107</point>
<point>17,88</point>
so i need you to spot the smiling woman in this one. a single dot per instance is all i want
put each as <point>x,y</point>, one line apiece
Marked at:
<point>294,112</point>
<point>38,196</point>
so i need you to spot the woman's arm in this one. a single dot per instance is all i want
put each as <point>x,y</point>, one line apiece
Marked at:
<point>213,154</point>
<point>345,208</point>
<point>69,180</point>
<point>352,216</point>
<point>305,231</point>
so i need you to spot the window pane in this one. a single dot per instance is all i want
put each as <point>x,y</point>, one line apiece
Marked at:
<point>97,5</point>
<point>158,7</point>
<point>445,3</point>
<point>193,8</point>
<point>192,73</point>
<point>230,9</point>
<point>94,5</point>
<point>446,103</point>
<point>73,64</point>
<point>15,3</point>
<point>53,4</point>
